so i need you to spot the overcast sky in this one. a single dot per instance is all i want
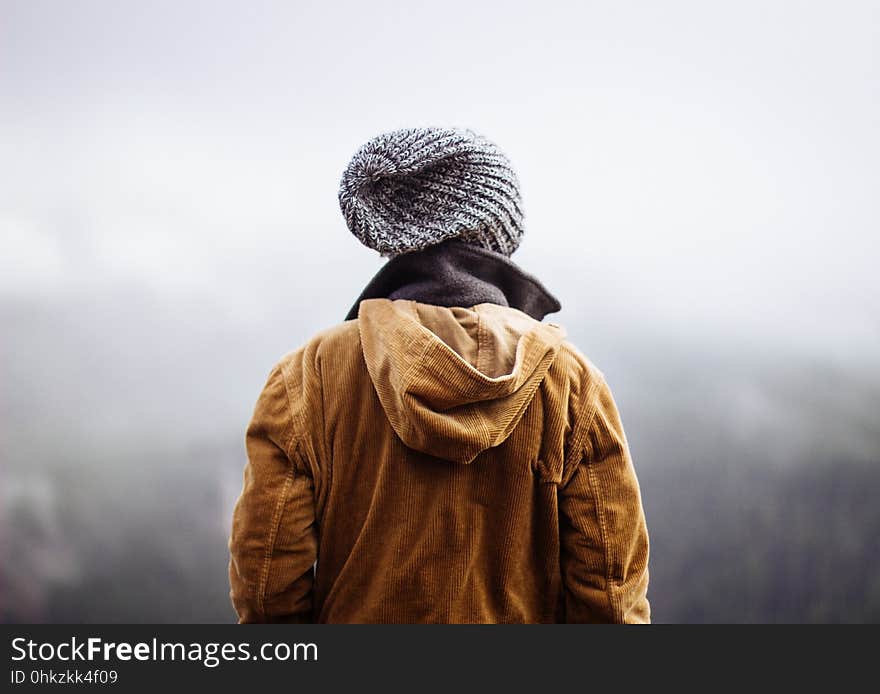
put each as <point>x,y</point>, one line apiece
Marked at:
<point>690,164</point>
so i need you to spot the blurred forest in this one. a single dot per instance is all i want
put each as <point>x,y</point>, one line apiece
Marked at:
<point>760,476</point>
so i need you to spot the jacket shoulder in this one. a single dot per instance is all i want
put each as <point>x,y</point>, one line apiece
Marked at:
<point>336,339</point>
<point>301,370</point>
<point>583,374</point>
<point>578,382</point>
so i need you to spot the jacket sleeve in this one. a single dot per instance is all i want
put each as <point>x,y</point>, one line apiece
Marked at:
<point>273,545</point>
<point>603,534</point>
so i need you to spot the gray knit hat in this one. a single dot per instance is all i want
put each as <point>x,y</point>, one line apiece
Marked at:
<point>413,188</point>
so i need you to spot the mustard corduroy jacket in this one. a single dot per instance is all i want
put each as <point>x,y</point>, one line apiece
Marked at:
<point>429,464</point>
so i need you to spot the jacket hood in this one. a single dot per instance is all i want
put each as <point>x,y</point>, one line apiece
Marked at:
<point>454,381</point>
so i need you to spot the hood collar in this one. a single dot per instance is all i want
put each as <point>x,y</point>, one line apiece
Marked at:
<point>455,273</point>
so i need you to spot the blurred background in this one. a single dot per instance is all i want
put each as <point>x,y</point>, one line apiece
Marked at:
<point>700,182</point>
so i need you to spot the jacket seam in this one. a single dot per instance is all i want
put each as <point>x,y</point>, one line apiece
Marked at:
<point>480,342</point>
<point>293,418</point>
<point>603,529</point>
<point>282,498</point>
<point>325,450</point>
<point>577,446</point>
<point>270,541</point>
<point>297,426</point>
<point>480,416</point>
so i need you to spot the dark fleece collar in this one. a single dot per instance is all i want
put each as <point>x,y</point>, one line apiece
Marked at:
<point>454,273</point>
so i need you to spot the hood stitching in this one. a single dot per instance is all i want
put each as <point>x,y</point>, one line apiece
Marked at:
<point>535,364</point>
<point>532,332</point>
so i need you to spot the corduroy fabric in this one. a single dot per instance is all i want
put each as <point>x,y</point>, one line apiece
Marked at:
<point>440,465</point>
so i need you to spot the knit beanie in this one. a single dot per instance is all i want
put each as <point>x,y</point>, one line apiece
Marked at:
<point>409,189</point>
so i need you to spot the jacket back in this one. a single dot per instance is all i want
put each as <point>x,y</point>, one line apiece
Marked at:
<point>431,464</point>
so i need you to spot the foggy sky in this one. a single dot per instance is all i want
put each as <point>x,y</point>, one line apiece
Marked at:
<point>699,171</point>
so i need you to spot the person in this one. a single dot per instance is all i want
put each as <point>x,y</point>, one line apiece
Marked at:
<point>443,455</point>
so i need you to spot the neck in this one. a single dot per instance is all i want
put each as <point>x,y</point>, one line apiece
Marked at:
<point>454,273</point>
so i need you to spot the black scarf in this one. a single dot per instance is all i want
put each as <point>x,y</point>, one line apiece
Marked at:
<point>455,273</point>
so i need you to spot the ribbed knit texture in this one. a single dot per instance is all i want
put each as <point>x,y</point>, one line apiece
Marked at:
<point>412,188</point>
<point>440,465</point>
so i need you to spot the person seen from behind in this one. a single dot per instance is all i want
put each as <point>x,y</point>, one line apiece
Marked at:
<point>443,455</point>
